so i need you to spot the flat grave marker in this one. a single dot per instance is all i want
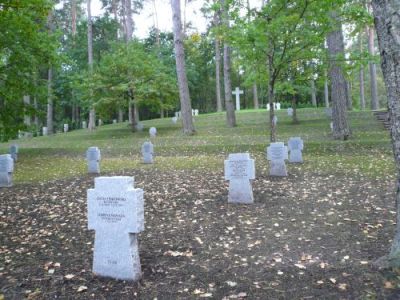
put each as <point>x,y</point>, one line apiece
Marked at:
<point>147,152</point>
<point>93,157</point>
<point>276,154</point>
<point>296,146</point>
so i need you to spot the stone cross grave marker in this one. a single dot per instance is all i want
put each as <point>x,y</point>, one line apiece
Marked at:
<point>100,122</point>
<point>296,146</point>
<point>239,170</point>
<point>66,127</point>
<point>93,157</point>
<point>237,93</point>
<point>174,120</point>
<point>290,112</point>
<point>276,154</point>
<point>147,152</point>
<point>177,114</point>
<point>14,152</point>
<point>196,112</point>
<point>84,125</point>
<point>192,112</point>
<point>45,131</point>
<point>116,213</point>
<point>6,170</point>
<point>153,132</point>
<point>115,121</point>
<point>277,106</point>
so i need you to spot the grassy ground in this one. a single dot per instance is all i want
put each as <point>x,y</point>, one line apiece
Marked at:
<point>63,155</point>
<point>311,235</point>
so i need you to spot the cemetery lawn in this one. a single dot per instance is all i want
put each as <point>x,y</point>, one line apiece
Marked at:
<point>314,234</point>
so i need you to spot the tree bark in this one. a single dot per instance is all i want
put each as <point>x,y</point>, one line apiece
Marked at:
<point>295,120</point>
<point>313,93</point>
<point>255,96</point>
<point>341,130</point>
<point>36,119</point>
<point>326,93</point>
<point>184,96</point>
<point>120,115</point>
<point>92,112</point>
<point>387,23</point>
<point>50,129</point>
<point>218,74</point>
<point>229,106</point>
<point>372,70</point>
<point>349,95</point>
<point>27,117</point>
<point>362,86</point>
<point>271,99</point>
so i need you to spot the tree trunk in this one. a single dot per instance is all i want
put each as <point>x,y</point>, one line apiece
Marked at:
<point>271,100</point>
<point>255,96</point>
<point>128,20</point>
<point>92,112</point>
<point>313,93</point>
<point>130,113</point>
<point>294,106</point>
<point>50,129</point>
<point>27,117</point>
<point>36,119</point>
<point>73,17</point>
<point>184,96</point>
<point>218,74</point>
<point>120,115</point>
<point>372,70</point>
<point>341,130</point>
<point>230,108</point>
<point>326,93</point>
<point>349,95</point>
<point>387,22</point>
<point>362,86</point>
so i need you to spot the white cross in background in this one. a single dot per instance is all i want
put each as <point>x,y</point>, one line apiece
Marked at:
<point>237,93</point>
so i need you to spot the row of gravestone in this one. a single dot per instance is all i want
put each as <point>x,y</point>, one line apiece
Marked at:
<point>116,210</point>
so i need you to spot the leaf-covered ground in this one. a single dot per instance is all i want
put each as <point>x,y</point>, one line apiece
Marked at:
<point>306,236</point>
<point>311,235</point>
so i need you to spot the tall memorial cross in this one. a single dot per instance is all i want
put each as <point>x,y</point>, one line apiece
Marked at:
<point>239,170</point>
<point>116,213</point>
<point>237,93</point>
<point>296,146</point>
<point>6,170</point>
<point>93,157</point>
<point>276,154</point>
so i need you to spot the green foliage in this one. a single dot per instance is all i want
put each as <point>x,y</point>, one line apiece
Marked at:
<point>26,44</point>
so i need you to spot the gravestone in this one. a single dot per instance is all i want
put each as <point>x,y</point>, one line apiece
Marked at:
<point>45,131</point>
<point>139,127</point>
<point>277,106</point>
<point>276,154</point>
<point>196,112</point>
<point>239,170</point>
<point>296,146</point>
<point>174,120</point>
<point>192,112</point>
<point>93,157</point>
<point>290,112</point>
<point>66,127</point>
<point>268,107</point>
<point>177,115</point>
<point>147,152</point>
<point>115,121</point>
<point>237,93</point>
<point>116,213</point>
<point>6,170</point>
<point>275,120</point>
<point>84,125</point>
<point>14,152</point>
<point>153,132</point>
<point>328,112</point>
<point>331,125</point>
<point>100,122</point>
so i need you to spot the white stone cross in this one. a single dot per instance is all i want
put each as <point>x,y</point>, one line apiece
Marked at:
<point>153,132</point>
<point>45,131</point>
<point>93,157</point>
<point>296,146</point>
<point>276,154</point>
<point>116,212</point>
<point>239,170</point>
<point>147,152</point>
<point>237,93</point>
<point>6,170</point>
<point>174,120</point>
<point>66,127</point>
